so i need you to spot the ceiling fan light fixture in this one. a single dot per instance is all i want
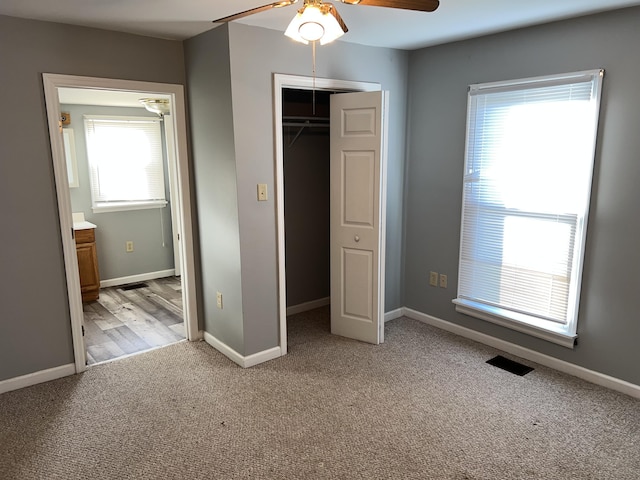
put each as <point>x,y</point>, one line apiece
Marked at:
<point>311,31</point>
<point>313,23</point>
<point>334,27</point>
<point>311,26</point>
<point>306,26</point>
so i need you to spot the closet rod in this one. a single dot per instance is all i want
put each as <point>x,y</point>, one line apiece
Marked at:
<point>302,127</point>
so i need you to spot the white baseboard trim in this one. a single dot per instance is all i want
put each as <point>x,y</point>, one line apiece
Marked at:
<point>244,362</point>
<point>392,315</point>
<point>261,357</point>
<point>528,354</point>
<point>114,282</point>
<point>37,377</point>
<point>305,307</point>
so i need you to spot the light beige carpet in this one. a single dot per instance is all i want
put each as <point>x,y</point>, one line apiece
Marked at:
<point>424,405</point>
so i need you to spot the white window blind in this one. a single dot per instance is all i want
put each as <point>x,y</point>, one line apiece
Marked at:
<point>526,189</point>
<point>125,162</point>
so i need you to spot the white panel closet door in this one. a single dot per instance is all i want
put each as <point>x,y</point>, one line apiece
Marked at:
<point>358,161</point>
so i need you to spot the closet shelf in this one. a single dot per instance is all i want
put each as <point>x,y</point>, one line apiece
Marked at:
<point>305,121</point>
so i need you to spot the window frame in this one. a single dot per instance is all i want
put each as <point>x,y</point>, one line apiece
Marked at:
<point>99,206</point>
<point>564,334</point>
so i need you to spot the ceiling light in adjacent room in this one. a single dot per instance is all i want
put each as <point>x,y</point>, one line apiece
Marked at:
<point>159,106</point>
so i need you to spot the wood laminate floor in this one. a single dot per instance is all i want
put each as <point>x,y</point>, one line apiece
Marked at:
<point>122,322</point>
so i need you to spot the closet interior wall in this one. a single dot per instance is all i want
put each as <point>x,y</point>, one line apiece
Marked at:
<point>306,195</point>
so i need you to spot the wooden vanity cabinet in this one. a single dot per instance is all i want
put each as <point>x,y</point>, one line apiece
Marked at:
<point>88,264</point>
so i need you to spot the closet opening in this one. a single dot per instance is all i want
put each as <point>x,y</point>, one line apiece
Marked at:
<point>303,142</point>
<point>305,156</point>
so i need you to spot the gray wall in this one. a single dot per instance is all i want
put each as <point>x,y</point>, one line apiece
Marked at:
<point>608,326</point>
<point>256,54</point>
<point>144,227</point>
<point>238,233</point>
<point>213,154</point>
<point>35,331</point>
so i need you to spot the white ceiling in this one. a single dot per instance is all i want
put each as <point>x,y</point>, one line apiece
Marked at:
<point>383,27</point>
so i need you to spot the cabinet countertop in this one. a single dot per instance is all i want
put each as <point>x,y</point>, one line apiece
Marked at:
<point>83,225</point>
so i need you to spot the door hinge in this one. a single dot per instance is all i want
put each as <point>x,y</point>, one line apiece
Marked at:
<point>73,234</point>
<point>83,330</point>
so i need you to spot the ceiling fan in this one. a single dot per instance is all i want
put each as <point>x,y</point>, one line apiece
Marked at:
<point>318,20</point>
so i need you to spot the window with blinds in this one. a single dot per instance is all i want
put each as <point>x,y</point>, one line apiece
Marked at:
<point>527,181</point>
<point>125,162</point>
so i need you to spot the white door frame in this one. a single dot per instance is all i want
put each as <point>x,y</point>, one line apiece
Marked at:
<point>172,168</point>
<point>52,82</point>
<point>281,81</point>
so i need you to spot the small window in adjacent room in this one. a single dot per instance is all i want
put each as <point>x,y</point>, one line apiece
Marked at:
<point>125,163</point>
<point>529,160</point>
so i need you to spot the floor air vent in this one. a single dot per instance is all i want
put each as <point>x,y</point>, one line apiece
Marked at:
<point>133,286</point>
<point>509,365</point>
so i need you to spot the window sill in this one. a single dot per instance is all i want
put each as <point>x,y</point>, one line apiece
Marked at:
<point>125,206</point>
<point>555,333</point>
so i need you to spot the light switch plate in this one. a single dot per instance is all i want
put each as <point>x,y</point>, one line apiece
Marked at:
<point>219,300</point>
<point>262,192</point>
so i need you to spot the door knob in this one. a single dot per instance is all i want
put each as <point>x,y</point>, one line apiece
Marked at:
<point>356,238</point>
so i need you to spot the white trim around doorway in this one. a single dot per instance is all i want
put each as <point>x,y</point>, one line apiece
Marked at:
<point>281,81</point>
<point>52,82</point>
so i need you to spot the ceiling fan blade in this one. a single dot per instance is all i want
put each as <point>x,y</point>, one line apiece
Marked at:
<point>418,5</point>
<point>246,13</point>
<point>334,11</point>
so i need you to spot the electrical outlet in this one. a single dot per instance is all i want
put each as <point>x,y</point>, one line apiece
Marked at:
<point>129,246</point>
<point>219,300</point>
<point>433,279</point>
<point>262,192</point>
<point>443,280</point>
